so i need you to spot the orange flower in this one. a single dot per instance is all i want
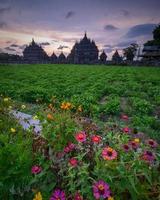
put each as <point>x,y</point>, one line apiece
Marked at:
<point>66,106</point>
<point>50,117</point>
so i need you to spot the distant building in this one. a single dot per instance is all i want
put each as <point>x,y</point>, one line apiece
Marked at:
<point>62,58</point>
<point>53,58</point>
<point>103,58</point>
<point>116,58</point>
<point>151,50</point>
<point>84,52</point>
<point>34,54</point>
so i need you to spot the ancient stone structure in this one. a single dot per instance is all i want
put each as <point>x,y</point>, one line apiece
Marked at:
<point>103,58</point>
<point>84,52</point>
<point>62,58</point>
<point>34,53</point>
<point>53,58</point>
<point>116,58</point>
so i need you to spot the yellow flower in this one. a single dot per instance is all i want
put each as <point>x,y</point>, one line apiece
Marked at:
<point>23,106</point>
<point>13,130</point>
<point>35,117</point>
<point>80,108</point>
<point>137,140</point>
<point>6,99</point>
<point>38,196</point>
<point>110,198</point>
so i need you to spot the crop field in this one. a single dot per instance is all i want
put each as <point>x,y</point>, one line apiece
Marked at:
<point>100,132</point>
<point>101,91</point>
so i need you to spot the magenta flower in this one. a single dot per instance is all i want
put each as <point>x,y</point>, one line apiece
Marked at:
<point>69,148</point>
<point>126,130</point>
<point>58,195</point>
<point>124,117</point>
<point>78,196</point>
<point>73,162</point>
<point>134,145</point>
<point>126,147</point>
<point>148,156</point>
<point>101,190</point>
<point>152,143</point>
<point>36,169</point>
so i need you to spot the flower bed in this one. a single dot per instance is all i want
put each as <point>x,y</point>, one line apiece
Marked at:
<point>76,158</point>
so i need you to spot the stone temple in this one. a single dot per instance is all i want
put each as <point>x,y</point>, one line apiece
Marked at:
<point>84,52</point>
<point>34,54</point>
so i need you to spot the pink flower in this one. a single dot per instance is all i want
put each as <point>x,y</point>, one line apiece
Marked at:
<point>78,196</point>
<point>101,190</point>
<point>134,145</point>
<point>109,154</point>
<point>70,147</point>
<point>126,130</point>
<point>152,143</point>
<point>148,156</point>
<point>124,117</point>
<point>73,162</point>
<point>81,136</point>
<point>126,147</point>
<point>96,139</point>
<point>36,169</point>
<point>66,149</point>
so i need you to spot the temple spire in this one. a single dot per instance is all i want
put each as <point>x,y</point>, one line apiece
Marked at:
<point>85,34</point>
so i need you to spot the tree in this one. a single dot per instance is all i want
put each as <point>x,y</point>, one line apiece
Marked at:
<point>130,52</point>
<point>156,33</point>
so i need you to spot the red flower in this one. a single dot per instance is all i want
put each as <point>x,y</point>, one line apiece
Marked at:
<point>73,162</point>
<point>124,117</point>
<point>126,130</point>
<point>96,139</point>
<point>36,169</point>
<point>81,136</point>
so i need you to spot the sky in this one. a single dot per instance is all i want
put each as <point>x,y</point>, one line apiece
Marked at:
<point>57,24</point>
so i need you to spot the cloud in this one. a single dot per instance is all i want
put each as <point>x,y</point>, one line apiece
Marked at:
<point>14,45</point>
<point>22,47</point>
<point>125,43</point>
<point>140,30</point>
<point>70,14</point>
<point>44,43</point>
<point>125,13</point>
<point>110,27</point>
<point>4,10</point>
<point>3,25</point>
<point>9,49</point>
<point>108,50</point>
<point>62,47</point>
<point>108,45</point>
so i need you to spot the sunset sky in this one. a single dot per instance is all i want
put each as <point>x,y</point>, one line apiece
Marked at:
<point>57,24</point>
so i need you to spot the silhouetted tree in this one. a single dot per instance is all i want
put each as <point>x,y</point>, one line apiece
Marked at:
<point>130,52</point>
<point>156,33</point>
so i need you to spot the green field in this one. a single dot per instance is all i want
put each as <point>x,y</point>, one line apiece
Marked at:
<point>102,91</point>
